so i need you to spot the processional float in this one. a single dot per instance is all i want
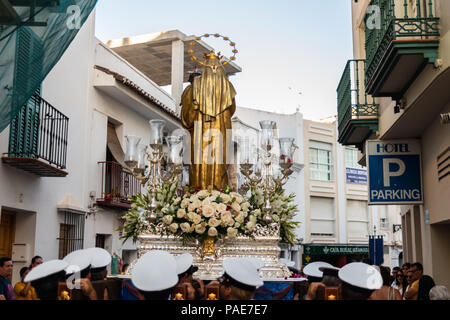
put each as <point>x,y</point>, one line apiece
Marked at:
<point>207,218</point>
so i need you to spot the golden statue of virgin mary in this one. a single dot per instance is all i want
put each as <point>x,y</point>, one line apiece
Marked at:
<point>207,107</point>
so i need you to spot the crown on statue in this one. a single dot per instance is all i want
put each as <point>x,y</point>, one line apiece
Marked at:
<point>212,55</point>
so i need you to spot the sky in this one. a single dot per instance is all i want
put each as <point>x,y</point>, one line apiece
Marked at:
<point>292,52</point>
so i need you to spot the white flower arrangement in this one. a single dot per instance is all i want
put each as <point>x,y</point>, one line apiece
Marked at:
<point>210,213</point>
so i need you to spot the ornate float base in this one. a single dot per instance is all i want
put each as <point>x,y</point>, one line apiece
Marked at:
<point>263,246</point>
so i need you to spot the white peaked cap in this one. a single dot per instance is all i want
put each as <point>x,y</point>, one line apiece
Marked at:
<point>184,262</point>
<point>46,269</point>
<point>77,261</point>
<point>257,263</point>
<point>155,271</point>
<point>242,270</point>
<point>361,275</point>
<point>312,269</point>
<point>287,262</point>
<point>100,257</point>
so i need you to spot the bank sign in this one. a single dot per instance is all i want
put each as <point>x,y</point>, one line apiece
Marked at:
<point>394,170</point>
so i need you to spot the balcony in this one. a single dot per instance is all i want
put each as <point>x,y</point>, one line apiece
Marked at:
<point>38,139</point>
<point>117,185</point>
<point>400,41</point>
<point>357,111</point>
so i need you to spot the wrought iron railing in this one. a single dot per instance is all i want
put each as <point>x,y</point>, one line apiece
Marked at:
<point>39,131</point>
<point>353,101</point>
<point>416,20</point>
<point>117,185</point>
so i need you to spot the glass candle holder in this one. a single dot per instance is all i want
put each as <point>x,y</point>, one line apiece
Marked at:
<point>175,154</point>
<point>267,133</point>
<point>244,151</point>
<point>286,150</point>
<point>131,156</point>
<point>141,159</point>
<point>156,133</point>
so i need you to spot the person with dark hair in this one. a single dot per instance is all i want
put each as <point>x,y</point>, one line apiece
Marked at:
<point>300,289</point>
<point>24,290</point>
<point>359,281</point>
<point>405,267</point>
<point>415,272</point>
<point>47,275</point>
<point>106,289</point>
<point>6,288</point>
<point>240,279</point>
<point>37,260</point>
<point>398,282</point>
<point>185,271</point>
<point>426,283</point>
<point>386,292</point>
<point>314,277</point>
<point>155,275</point>
<point>395,271</point>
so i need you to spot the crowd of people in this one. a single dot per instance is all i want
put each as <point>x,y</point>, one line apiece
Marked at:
<point>158,275</point>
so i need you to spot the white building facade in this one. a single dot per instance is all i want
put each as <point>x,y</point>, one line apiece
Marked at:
<point>105,98</point>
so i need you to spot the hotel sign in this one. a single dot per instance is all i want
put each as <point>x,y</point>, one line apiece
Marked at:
<point>394,172</point>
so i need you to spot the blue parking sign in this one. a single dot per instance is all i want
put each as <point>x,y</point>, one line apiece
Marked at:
<point>394,172</point>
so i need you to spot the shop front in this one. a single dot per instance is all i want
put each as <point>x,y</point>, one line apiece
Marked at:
<point>336,254</point>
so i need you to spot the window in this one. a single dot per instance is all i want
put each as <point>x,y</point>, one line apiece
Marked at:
<point>351,159</point>
<point>321,161</point>
<point>71,233</point>
<point>357,219</point>
<point>322,216</point>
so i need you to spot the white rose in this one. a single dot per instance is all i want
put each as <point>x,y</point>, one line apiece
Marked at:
<point>226,215</point>
<point>176,201</point>
<point>185,227</point>
<point>237,225</point>
<point>191,208</point>
<point>167,219</point>
<point>221,207</point>
<point>185,203</point>
<point>194,198</point>
<point>230,222</point>
<point>214,205</point>
<point>232,232</point>
<point>240,218</point>
<point>181,213</point>
<point>206,202</point>
<point>200,229</point>
<point>191,216</point>
<point>197,219</point>
<point>236,207</point>
<point>173,227</point>
<point>225,198</point>
<point>252,219</point>
<point>212,232</point>
<point>215,193</point>
<point>202,194</point>
<point>213,222</point>
<point>197,204</point>
<point>208,211</point>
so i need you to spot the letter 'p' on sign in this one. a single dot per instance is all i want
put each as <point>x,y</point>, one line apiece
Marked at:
<point>387,173</point>
<point>394,172</point>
